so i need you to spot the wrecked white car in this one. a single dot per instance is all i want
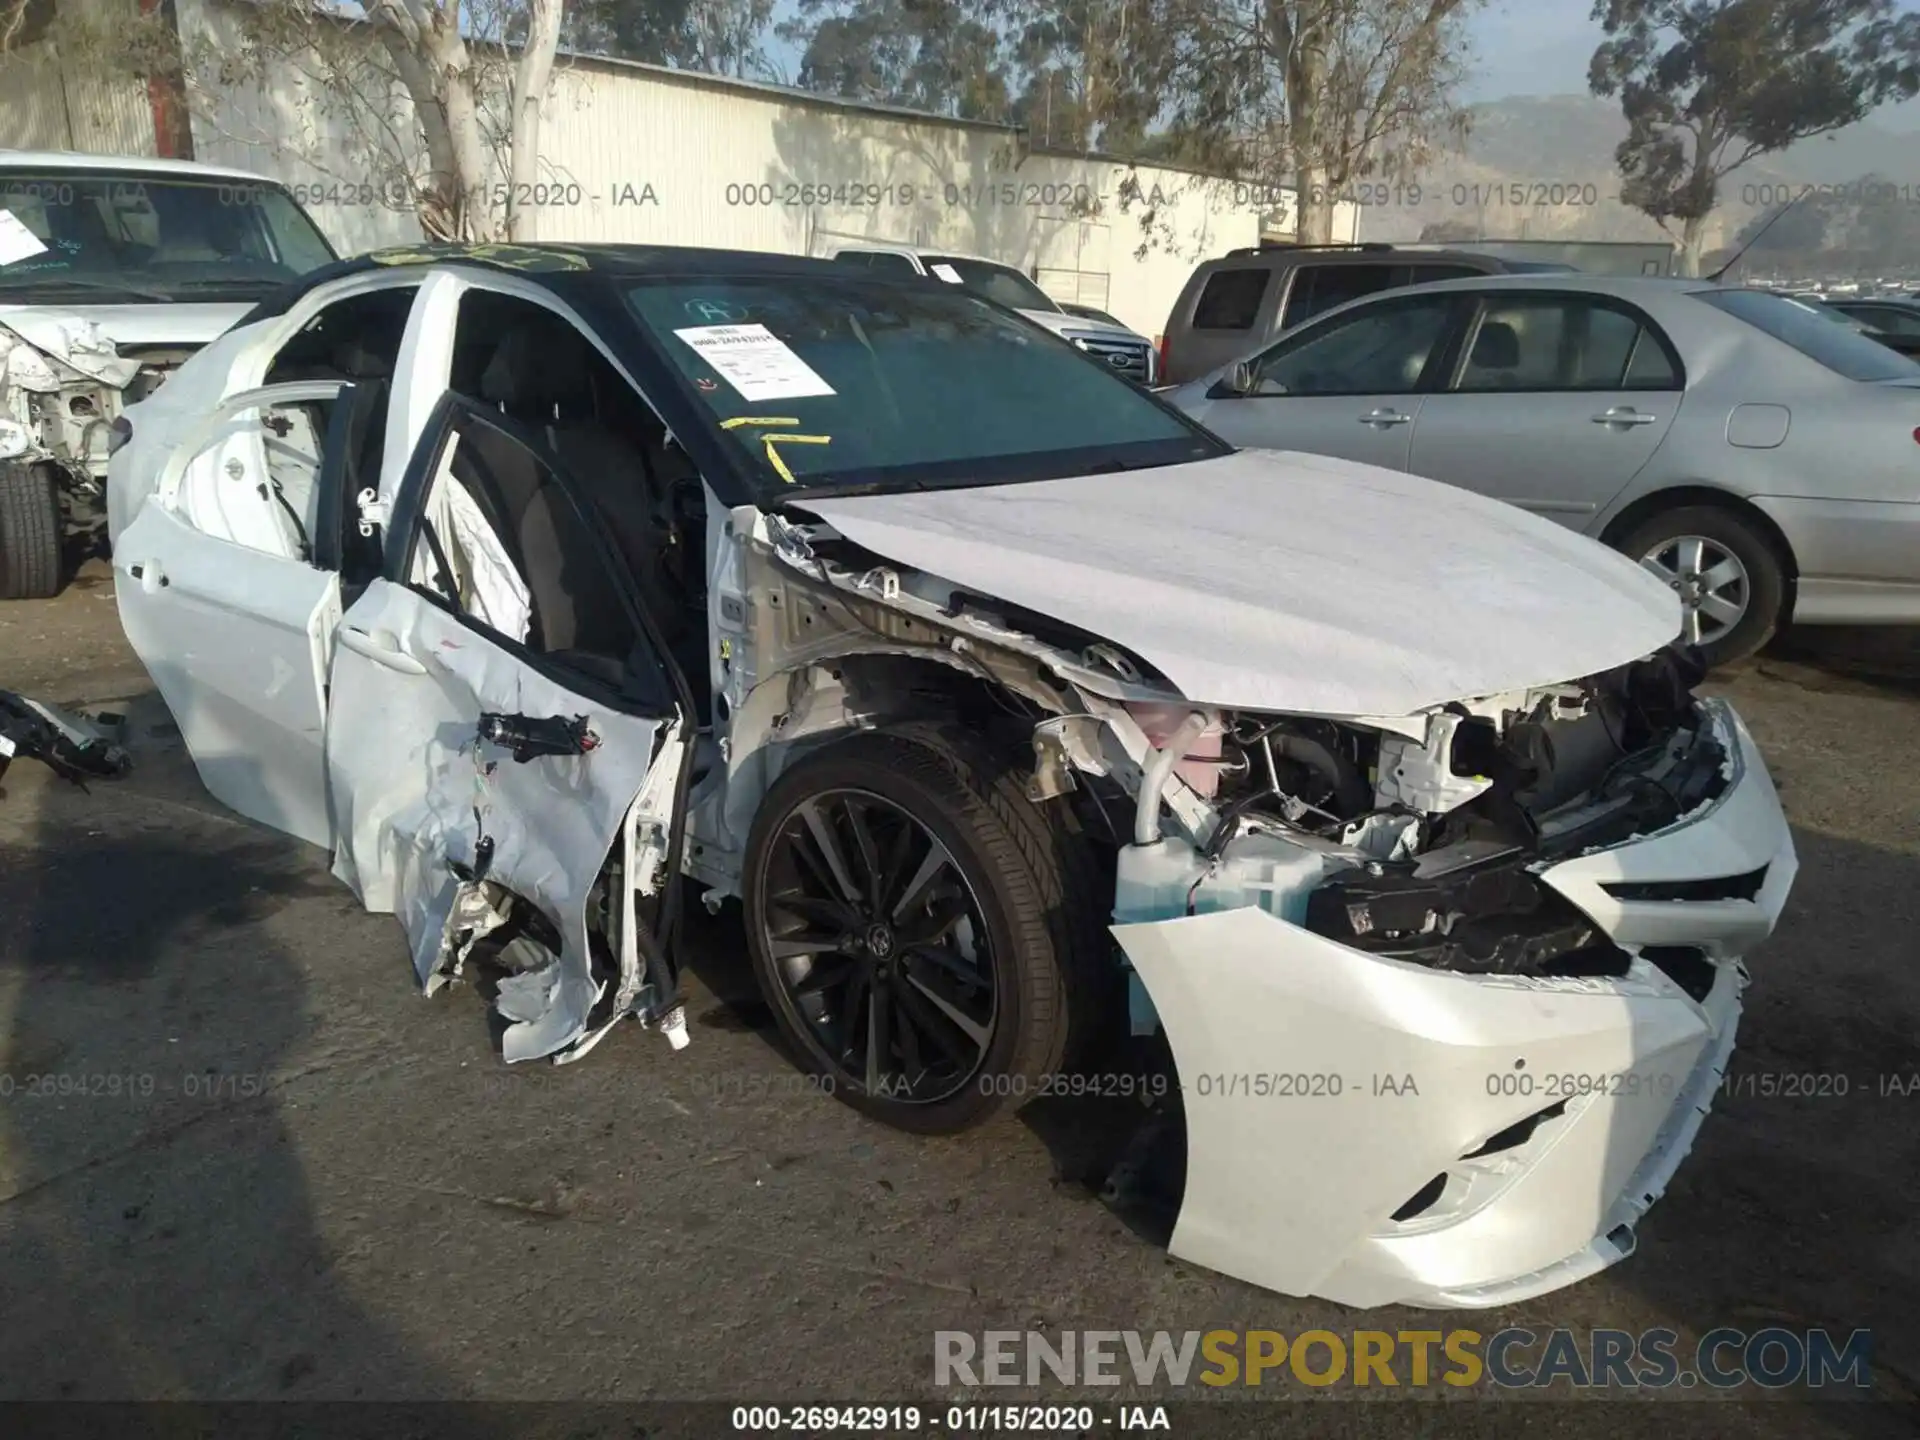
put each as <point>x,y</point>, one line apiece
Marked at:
<point>112,272</point>
<point>603,576</point>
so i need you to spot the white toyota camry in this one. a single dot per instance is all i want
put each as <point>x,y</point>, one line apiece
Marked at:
<point>1033,726</point>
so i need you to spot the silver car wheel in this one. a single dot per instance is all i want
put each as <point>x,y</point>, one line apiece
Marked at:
<point>1713,585</point>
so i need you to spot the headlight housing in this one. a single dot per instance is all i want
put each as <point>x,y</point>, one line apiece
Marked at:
<point>15,439</point>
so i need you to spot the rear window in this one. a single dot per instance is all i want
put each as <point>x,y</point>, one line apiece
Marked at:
<point>1843,350</point>
<point>1231,300</point>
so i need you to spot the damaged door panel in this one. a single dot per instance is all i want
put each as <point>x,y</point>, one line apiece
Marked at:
<point>234,639</point>
<point>475,771</point>
<point>233,623</point>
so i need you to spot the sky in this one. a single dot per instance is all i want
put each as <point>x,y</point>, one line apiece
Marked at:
<point>1541,47</point>
<point>1521,47</point>
<point>1532,47</point>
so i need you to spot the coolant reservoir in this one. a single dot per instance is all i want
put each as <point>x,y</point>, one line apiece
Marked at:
<point>1169,879</point>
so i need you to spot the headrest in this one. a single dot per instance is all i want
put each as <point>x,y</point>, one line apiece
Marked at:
<point>367,356</point>
<point>538,366</point>
<point>1497,348</point>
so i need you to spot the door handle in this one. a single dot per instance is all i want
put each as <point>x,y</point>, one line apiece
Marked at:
<point>1385,417</point>
<point>1624,416</point>
<point>149,574</point>
<point>382,648</point>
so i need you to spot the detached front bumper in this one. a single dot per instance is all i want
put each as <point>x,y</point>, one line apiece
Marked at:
<point>1377,1132</point>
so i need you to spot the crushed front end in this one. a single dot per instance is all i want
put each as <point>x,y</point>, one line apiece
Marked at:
<point>63,387</point>
<point>1448,996</point>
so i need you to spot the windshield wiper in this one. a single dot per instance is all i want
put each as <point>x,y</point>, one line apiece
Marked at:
<point>54,279</point>
<point>831,491</point>
<point>260,282</point>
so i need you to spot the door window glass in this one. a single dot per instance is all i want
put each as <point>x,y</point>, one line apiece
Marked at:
<point>1556,342</point>
<point>1382,350</point>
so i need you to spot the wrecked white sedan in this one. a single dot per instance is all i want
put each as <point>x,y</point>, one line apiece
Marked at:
<point>545,586</point>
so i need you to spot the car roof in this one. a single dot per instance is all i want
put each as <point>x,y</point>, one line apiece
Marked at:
<point>536,260</point>
<point>123,164</point>
<point>936,251</point>
<point>1626,287</point>
<point>1335,254</point>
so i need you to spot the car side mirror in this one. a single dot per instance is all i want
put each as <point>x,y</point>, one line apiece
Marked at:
<point>1239,379</point>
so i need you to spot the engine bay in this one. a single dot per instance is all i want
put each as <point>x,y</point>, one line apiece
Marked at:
<point>1429,851</point>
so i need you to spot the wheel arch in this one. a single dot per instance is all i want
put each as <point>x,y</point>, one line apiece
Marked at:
<point>796,711</point>
<point>1679,496</point>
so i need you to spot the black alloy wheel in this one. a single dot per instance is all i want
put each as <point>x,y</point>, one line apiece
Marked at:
<point>901,911</point>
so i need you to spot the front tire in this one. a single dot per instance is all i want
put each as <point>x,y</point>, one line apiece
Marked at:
<point>908,923</point>
<point>31,562</point>
<point>1730,577</point>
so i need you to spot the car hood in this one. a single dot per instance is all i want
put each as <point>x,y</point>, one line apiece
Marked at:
<point>1064,324</point>
<point>1288,582</point>
<point>88,337</point>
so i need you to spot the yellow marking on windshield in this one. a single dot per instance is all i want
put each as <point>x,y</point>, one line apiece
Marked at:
<point>773,455</point>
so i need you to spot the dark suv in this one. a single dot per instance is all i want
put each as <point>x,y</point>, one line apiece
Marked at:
<point>1231,305</point>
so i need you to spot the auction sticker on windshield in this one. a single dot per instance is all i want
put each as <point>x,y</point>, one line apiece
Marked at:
<point>948,274</point>
<point>755,361</point>
<point>16,241</point>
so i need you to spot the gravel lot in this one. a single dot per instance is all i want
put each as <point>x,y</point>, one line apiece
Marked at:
<point>330,1188</point>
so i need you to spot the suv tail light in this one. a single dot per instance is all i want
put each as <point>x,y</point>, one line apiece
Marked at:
<point>1165,349</point>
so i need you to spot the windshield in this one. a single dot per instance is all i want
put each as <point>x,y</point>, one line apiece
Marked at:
<point>847,381</point>
<point>1001,284</point>
<point>1840,348</point>
<point>100,236</point>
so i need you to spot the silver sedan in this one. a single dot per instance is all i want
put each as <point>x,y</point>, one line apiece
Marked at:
<point>1761,459</point>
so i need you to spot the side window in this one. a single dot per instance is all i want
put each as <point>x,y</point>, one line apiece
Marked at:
<point>861,258</point>
<point>885,262</point>
<point>1318,288</point>
<point>1231,299</point>
<point>1426,274</point>
<point>1563,342</point>
<point>502,540</point>
<point>1893,322</point>
<point>1382,350</point>
<point>357,338</point>
<point>536,370</point>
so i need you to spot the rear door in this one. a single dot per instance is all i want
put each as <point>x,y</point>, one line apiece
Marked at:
<point>502,715</point>
<point>1557,401</point>
<point>228,591</point>
<point>1351,386</point>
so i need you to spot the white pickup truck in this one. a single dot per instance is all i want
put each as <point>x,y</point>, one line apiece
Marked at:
<point>112,272</point>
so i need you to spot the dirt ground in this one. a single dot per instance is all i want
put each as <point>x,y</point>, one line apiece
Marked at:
<point>313,1183</point>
